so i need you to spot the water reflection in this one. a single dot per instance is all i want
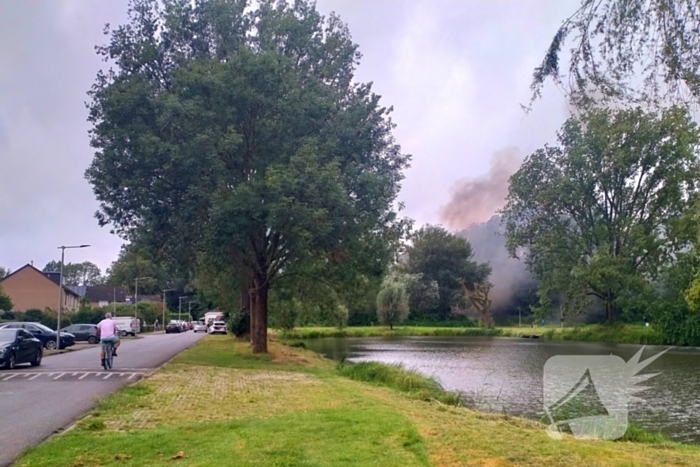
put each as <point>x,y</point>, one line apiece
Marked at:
<point>501,374</point>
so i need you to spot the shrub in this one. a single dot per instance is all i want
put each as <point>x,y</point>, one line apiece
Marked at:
<point>238,322</point>
<point>340,316</point>
<point>392,303</point>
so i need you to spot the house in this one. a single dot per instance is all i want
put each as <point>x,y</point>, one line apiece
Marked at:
<point>102,295</point>
<point>30,288</point>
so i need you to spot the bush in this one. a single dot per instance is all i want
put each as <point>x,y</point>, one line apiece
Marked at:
<point>677,324</point>
<point>392,304</point>
<point>340,316</point>
<point>238,322</point>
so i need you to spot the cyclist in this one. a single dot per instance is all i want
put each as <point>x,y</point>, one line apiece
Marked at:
<point>107,332</point>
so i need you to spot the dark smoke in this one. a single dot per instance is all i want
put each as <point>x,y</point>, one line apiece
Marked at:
<point>472,211</point>
<point>510,277</point>
<point>476,200</point>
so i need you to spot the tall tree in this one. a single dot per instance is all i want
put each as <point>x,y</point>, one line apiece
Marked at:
<point>445,259</point>
<point>85,273</point>
<point>605,209</point>
<point>644,51</point>
<point>130,265</point>
<point>238,134</point>
<point>4,272</point>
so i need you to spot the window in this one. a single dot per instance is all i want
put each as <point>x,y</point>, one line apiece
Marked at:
<point>87,328</point>
<point>24,334</point>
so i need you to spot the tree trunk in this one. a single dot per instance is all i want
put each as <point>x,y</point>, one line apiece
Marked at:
<point>259,316</point>
<point>487,318</point>
<point>251,303</point>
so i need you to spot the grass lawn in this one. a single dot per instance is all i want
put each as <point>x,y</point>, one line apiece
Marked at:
<point>216,404</point>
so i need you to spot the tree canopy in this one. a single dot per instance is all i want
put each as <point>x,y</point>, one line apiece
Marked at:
<point>85,273</point>
<point>602,212</point>
<point>643,51</point>
<point>444,259</point>
<point>237,137</point>
<point>131,264</point>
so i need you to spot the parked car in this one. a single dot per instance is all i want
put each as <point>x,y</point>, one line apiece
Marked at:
<point>46,335</point>
<point>83,332</point>
<point>18,346</point>
<point>200,327</point>
<point>217,327</point>
<point>173,327</point>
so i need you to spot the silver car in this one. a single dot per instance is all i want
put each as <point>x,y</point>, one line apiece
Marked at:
<point>200,327</point>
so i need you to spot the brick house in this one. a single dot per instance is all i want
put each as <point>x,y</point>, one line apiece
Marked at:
<point>30,288</point>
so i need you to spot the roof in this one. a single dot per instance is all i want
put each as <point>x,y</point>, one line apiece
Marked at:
<point>52,276</point>
<point>143,298</point>
<point>105,293</point>
<point>79,289</point>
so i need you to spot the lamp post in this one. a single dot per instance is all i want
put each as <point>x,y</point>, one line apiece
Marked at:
<point>60,291</point>
<point>136,296</point>
<point>189,308</point>
<point>165,305</point>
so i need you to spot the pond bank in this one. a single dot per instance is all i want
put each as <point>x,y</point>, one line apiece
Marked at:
<point>626,334</point>
<point>292,407</point>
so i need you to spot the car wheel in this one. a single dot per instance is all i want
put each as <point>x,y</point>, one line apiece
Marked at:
<point>51,345</point>
<point>37,358</point>
<point>123,333</point>
<point>10,362</point>
<point>92,340</point>
<point>133,334</point>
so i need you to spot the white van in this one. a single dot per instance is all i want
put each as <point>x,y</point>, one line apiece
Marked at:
<point>127,325</point>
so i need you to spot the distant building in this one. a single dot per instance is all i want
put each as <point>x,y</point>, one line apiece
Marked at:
<point>30,288</point>
<point>103,295</point>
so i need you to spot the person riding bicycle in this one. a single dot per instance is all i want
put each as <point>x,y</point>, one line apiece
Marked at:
<point>107,332</point>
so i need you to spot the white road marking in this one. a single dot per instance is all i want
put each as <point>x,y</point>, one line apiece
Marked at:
<point>84,375</point>
<point>9,377</point>
<point>36,376</point>
<point>59,376</point>
<point>108,375</point>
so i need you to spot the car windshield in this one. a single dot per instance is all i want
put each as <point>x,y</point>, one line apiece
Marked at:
<point>219,323</point>
<point>42,327</point>
<point>7,335</point>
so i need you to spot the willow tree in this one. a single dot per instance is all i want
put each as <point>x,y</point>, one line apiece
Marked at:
<point>639,51</point>
<point>237,136</point>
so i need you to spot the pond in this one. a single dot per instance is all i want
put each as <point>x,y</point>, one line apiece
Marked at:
<point>506,374</point>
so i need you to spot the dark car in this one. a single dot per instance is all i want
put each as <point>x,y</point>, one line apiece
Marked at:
<point>18,346</point>
<point>83,332</point>
<point>173,327</point>
<point>46,335</point>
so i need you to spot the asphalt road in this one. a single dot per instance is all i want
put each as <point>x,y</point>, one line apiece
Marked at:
<point>35,402</point>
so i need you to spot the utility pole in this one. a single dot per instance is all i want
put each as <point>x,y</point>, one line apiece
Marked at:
<point>189,308</point>
<point>60,292</point>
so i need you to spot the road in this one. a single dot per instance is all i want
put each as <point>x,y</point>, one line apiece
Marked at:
<point>35,402</point>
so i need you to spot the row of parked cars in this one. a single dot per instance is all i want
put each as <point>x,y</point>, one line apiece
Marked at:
<point>175,326</point>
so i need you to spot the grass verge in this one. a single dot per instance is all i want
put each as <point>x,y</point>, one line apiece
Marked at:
<point>217,404</point>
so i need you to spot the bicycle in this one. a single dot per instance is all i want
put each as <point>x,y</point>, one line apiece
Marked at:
<point>109,348</point>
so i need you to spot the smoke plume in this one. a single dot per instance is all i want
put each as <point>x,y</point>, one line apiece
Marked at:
<point>476,200</point>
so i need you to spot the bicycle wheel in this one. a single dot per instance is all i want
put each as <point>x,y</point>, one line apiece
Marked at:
<point>108,357</point>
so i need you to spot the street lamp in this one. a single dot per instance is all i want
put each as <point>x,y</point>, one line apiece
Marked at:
<point>60,292</point>
<point>136,296</point>
<point>189,308</point>
<point>164,305</point>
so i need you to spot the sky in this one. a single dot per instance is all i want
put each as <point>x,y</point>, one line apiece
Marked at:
<point>455,71</point>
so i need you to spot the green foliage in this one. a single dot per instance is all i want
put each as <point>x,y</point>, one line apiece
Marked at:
<point>5,301</point>
<point>438,259</point>
<point>600,214</point>
<point>238,322</point>
<point>340,316</point>
<point>643,52</point>
<point>398,378</point>
<point>85,273</point>
<point>4,272</point>
<point>286,313</point>
<point>132,264</point>
<point>392,303</point>
<point>241,137</point>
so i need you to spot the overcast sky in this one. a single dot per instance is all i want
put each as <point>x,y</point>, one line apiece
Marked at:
<point>456,72</point>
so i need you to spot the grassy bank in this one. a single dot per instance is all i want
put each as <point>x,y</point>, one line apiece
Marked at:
<point>217,404</point>
<point>382,331</point>
<point>628,334</point>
